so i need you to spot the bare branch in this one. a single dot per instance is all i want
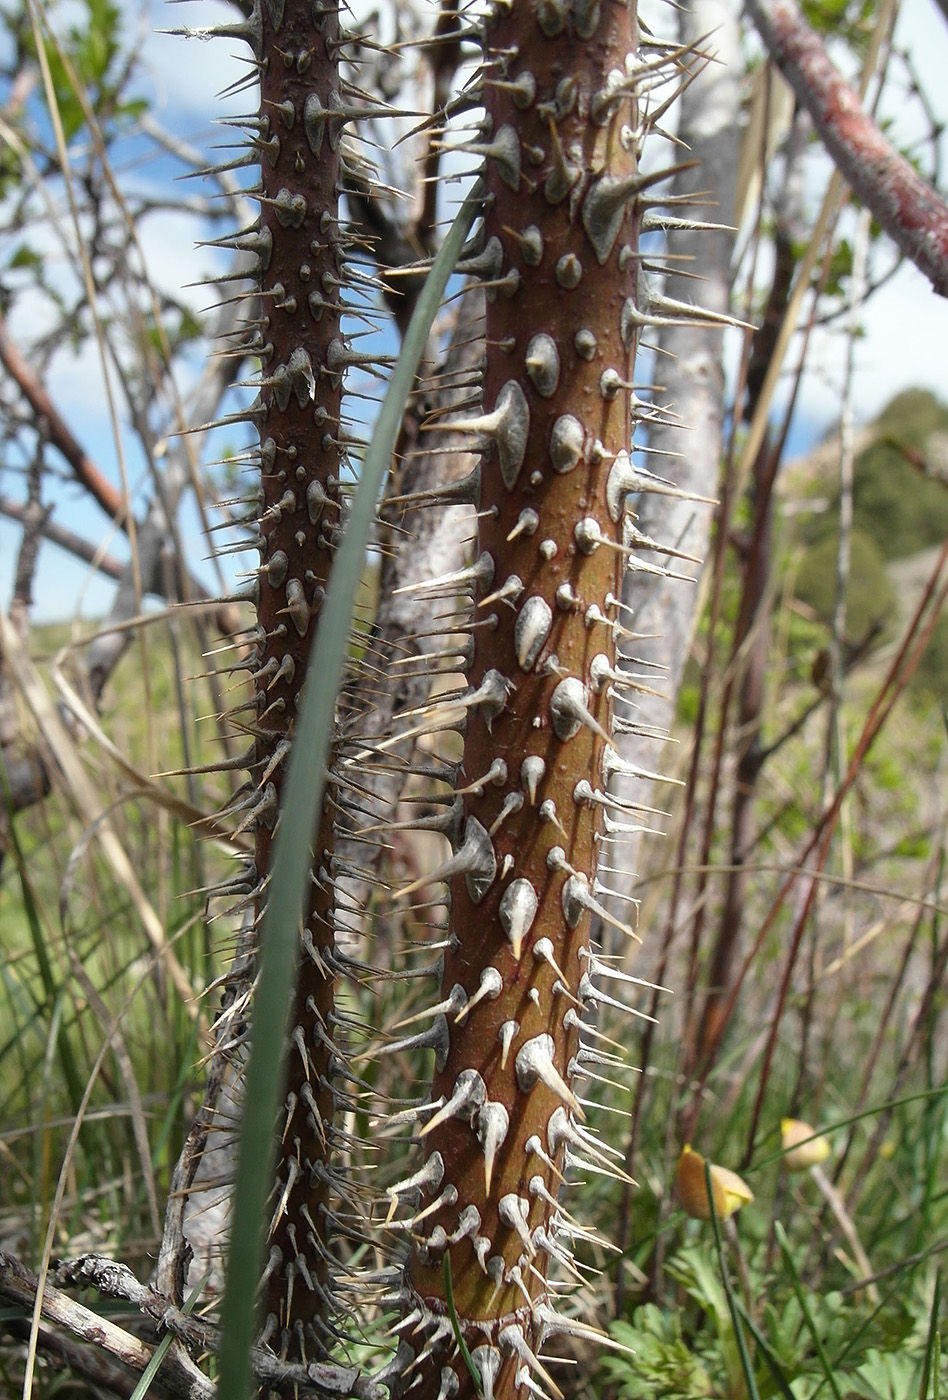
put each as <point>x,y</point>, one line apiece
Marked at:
<point>178,1373</point>
<point>907,208</point>
<point>84,469</point>
<point>65,539</point>
<point>117,1281</point>
<point>35,515</point>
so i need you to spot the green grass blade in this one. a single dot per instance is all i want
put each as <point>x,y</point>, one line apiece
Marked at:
<point>161,1350</point>
<point>808,1318</point>
<point>31,909</point>
<point>456,1325</point>
<point>736,1323</point>
<point>929,1388</point>
<point>776,1370</point>
<point>303,797</point>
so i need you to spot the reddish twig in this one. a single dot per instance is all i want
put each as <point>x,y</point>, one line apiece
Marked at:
<point>907,208</point>
<point>60,436</point>
<point>65,539</point>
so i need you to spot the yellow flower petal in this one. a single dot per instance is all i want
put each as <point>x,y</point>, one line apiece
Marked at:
<point>734,1189</point>
<point>728,1190</point>
<point>812,1150</point>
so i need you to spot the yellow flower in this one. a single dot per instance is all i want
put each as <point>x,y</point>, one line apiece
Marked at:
<point>727,1189</point>
<point>810,1152</point>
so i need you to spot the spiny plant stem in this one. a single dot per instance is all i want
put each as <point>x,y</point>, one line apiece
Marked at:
<point>302,270</point>
<point>562,217</point>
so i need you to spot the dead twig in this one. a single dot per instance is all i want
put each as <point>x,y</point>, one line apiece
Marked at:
<point>83,467</point>
<point>65,539</point>
<point>907,208</point>
<point>18,1285</point>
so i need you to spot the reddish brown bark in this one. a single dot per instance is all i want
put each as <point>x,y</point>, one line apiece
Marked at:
<point>908,209</point>
<point>84,469</point>
<point>564,307</point>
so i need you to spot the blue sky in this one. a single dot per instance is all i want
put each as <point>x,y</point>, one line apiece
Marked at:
<point>906,325</point>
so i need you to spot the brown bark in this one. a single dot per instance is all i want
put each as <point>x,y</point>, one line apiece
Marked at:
<point>564,308</point>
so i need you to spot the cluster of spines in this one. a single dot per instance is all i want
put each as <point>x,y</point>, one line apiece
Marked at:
<point>295,328</point>
<point>301,459</point>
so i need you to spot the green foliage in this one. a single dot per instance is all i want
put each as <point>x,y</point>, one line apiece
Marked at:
<point>870,596</point>
<point>59,908</point>
<point>897,507</point>
<point>664,1365</point>
<point>803,1342</point>
<point>93,48</point>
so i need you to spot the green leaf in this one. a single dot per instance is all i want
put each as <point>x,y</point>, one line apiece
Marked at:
<point>161,1350</point>
<point>931,1364</point>
<point>736,1323</point>
<point>24,256</point>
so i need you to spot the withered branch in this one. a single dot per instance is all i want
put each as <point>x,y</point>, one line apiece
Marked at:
<point>910,212</point>
<point>179,1373</point>
<point>66,539</point>
<point>84,469</point>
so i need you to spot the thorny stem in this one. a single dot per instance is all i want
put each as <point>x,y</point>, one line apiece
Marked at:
<point>565,306</point>
<point>302,270</point>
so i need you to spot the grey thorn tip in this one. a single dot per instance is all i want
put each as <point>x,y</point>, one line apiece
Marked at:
<point>487,1362</point>
<point>512,432</point>
<point>622,480</point>
<point>531,246</point>
<point>513,1341</point>
<point>504,151</point>
<point>569,710</point>
<point>585,344</point>
<point>517,911</point>
<point>575,899</point>
<point>587,533</point>
<point>527,523</point>
<point>483,860</point>
<point>514,1211</point>
<point>469,1093</point>
<point>531,631</point>
<point>604,210</point>
<point>568,271</point>
<point>491,986</point>
<point>566,443</point>
<point>543,364</point>
<point>493,1122</point>
<point>296,606</point>
<point>532,772</point>
<point>450,1385</point>
<point>490,696</point>
<point>506,1035</point>
<point>534,1064</point>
